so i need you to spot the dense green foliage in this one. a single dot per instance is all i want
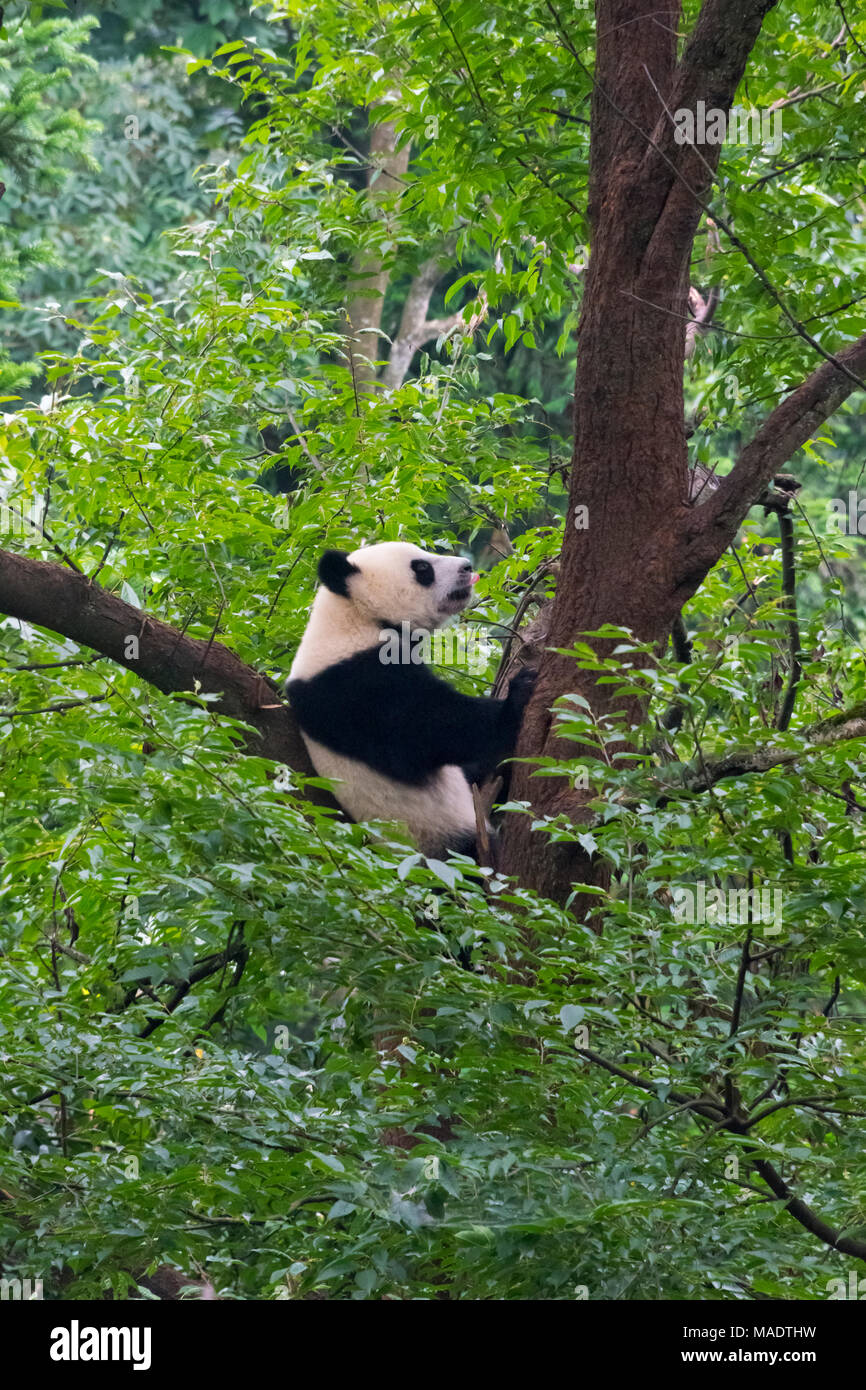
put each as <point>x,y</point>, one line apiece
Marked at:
<point>235,1035</point>
<point>40,136</point>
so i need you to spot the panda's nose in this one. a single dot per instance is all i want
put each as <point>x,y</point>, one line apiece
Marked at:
<point>465,567</point>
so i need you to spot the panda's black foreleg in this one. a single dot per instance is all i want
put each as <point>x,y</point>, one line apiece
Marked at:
<point>475,732</point>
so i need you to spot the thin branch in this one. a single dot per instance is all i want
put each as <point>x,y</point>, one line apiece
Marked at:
<point>847,724</point>
<point>203,971</point>
<point>702,311</point>
<point>831,1002</point>
<point>300,436</point>
<point>848,29</point>
<point>58,549</point>
<point>703,1105</point>
<point>798,1209</point>
<point>108,546</point>
<point>811,157</point>
<point>807,1102</point>
<point>789,589</point>
<point>783,432</point>
<point>53,665</point>
<point>741,982</point>
<point>56,709</point>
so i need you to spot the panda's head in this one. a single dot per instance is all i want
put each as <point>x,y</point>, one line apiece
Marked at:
<point>396,582</point>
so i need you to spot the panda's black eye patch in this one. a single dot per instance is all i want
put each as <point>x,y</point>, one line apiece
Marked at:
<point>423,572</point>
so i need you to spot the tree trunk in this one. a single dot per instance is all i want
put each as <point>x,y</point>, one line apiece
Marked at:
<point>621,556</point>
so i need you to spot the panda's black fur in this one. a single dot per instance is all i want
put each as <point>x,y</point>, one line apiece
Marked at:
<point>400,743</point>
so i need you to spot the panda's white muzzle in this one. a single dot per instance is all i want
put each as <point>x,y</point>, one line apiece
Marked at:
<point>459,596</point>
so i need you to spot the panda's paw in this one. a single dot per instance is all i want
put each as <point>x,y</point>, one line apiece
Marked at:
<point>521,686</point>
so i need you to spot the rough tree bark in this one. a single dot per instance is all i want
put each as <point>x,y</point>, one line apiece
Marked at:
<point>645,549</point>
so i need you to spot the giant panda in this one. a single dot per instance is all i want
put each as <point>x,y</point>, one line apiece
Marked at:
<point>399,743</point>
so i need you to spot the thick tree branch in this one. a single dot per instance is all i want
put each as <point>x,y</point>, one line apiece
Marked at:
<point>710,70</point>
<point>46,594</point>
<point>629,475</point>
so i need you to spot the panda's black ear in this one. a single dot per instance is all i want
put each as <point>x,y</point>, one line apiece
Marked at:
<point>334,569</point>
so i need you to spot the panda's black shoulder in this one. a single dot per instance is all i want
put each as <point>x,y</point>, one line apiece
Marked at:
<point>365,675</point>
<point>364,681</point>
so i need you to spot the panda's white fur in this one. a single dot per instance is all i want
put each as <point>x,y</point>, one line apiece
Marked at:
<point>381,732</point>
<point>437,815</point>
